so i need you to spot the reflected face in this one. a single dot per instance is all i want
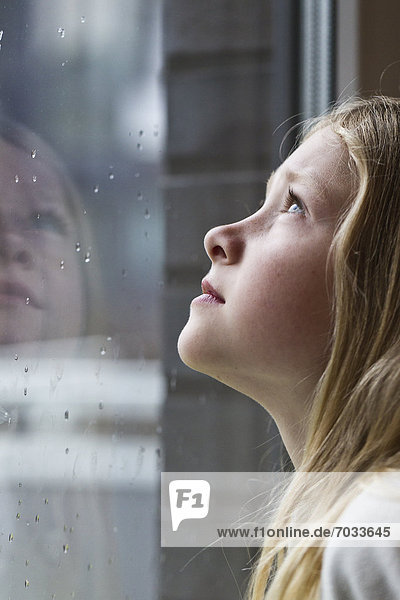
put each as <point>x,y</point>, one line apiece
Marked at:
<point>262,323</point>
<point>40,280</point>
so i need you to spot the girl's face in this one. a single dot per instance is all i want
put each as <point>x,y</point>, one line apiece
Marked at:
<point>262,323</point>
<point>41,293</point>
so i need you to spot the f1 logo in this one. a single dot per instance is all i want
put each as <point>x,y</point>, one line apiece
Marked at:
<point>188,499</point>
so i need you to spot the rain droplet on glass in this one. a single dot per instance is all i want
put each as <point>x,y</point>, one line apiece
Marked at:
<point>26,583</point>
<point>4,416</point>
<point>27,300</point>
<point>96,189</point>
<point>34,178</point>
<point>61,32</point>
<point>111,176</point>
<point>147,214</point>
<point>18,516</point>
<point>62,264</point>
<point>102,350</point>
<point>139,196</point>
<point>26,369</point>
<point>101,406</point>
<point>83,19</point>
<point>15,356</point>
<point>65,548</point>
<point>77,247</point>
<point>141,132</point>
<point>37,519</point>
<point>33,153</point>
<point>1,35</point>
<point>16,178</point>
<point>139,147</point>
<point>25,391</point>
<point>124,273</point>
<point>46,500</point>
<point>66,414</point>
<point>87,257</point>
<point>66,450</point>
<point>109,338</point>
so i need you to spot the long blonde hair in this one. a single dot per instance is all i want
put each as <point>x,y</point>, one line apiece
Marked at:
<point>355,417</point>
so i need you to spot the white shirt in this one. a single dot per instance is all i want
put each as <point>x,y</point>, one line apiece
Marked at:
<point>371,572</point>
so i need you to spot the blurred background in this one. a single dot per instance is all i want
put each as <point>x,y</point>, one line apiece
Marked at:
<point>166,119</point>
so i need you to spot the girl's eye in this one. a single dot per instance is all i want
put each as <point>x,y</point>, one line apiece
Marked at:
<point>47,221</point>
<point>293,204</point>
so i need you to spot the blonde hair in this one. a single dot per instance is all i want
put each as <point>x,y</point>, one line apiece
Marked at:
<point>355,416</point>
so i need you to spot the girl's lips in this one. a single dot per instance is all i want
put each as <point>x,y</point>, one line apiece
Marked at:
<point>211,294</point>
<point>13,293</point>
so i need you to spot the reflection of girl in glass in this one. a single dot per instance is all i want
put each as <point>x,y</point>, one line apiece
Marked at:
<point>301,311</point>
<point>43,243</point>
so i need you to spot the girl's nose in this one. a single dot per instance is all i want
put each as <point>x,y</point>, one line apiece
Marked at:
<point>13,249</point>
<point>224,243</point>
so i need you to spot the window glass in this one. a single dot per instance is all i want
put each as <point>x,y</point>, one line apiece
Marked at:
<point>81,241</point>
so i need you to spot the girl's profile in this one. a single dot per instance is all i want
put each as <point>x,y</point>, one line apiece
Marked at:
<point>301,312</point>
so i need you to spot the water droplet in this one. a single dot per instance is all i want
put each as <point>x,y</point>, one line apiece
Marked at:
<point>38,216</point>
<point>111,176</point>
<point>87,257</point>
<point>11,537</point>
<point>26,583</point>
<point>96,189</point>
<point>25,391</point>
<point>4,416</point>
<point>139,147</point>
<point>89,567</point>
<point>16,178</point>
<point>27,300</point>
<point>137,175</point>
<point>124,273</point>
<point>15,356</point>
<point>66,414</point>
<point>1,35</point>
<point>159,429</point>
<point>77,247</point>
<point>66,450</point>
<point>33,153</point>
<point>46,500</point>
<point>61,32</point>
<point>27,563</point>
<point>37,519</point>
<point>141,133</point>
<point>102,350</point>
<point>101,406</point>
<point>139,196</point>
<point>147,214</point>
<point>65,548</point>
<point>26,369</point>
<point>62,264</point>
<point>34,178</point>
<point>83,19</point>
<point>109,338</point>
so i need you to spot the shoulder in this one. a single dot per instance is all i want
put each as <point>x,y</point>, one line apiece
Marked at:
<point>365,572</point>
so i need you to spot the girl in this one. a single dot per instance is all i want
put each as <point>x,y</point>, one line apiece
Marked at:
<point>301,311</point>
